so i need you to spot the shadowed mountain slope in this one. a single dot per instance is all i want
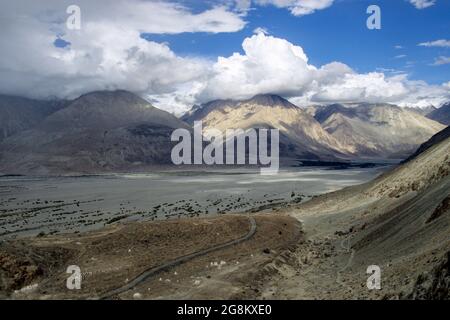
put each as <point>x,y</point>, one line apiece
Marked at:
<point>18,114</point>
<point>441,115</point>
<point>100,131</point>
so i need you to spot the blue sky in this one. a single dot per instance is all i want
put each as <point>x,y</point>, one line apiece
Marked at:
<point>178,53</point>
<point>339,33</point>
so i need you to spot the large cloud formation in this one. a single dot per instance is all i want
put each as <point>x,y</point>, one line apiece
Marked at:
<point>109,53</point>
<point>273,65</point>
<point>298,7</point>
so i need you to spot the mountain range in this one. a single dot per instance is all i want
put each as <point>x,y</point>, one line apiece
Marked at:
<point>326,132</point>
<point>99,131</point>
<point>19,114</point>
<point>111,131</point>
<point>441,115</point>
<point>377,130</point>
<point>423,111</point>
<point>300,134</point>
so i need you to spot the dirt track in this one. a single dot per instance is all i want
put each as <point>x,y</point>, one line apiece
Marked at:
<point>153,271</point>
<point>221,252</point>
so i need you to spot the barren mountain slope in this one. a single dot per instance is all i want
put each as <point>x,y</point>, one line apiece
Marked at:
<point>100,131</point>
<point>399,222</point>
<point>422,111</point>
<point>437,138</point>
<point>413,237</point>
<point>300,134</point>
<point>441,115</point>
<point>18,114</point>
<point>396,185</point>
<point>372,130</point>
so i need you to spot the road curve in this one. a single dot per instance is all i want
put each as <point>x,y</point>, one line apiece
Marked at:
<point>150,272</point>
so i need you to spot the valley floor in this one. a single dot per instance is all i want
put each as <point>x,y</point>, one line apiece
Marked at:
<point>31,206</point>
<point>319,249</point>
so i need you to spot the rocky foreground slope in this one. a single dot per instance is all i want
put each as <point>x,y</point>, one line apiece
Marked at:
<point>399,222</point>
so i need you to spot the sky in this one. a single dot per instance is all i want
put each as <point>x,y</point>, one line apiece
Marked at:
<point>180,53</point>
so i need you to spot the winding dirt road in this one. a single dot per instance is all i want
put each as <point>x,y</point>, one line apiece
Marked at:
<point>151,272</point>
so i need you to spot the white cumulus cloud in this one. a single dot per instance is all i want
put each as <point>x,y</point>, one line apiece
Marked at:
<point>422,4</point>
<point>261,30</point>
<point>298,7</point>
<point>273,65</point>
<point>107,52</point>
<point>437,43</point>
<point>269,65</point>
<point>439,61</point>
